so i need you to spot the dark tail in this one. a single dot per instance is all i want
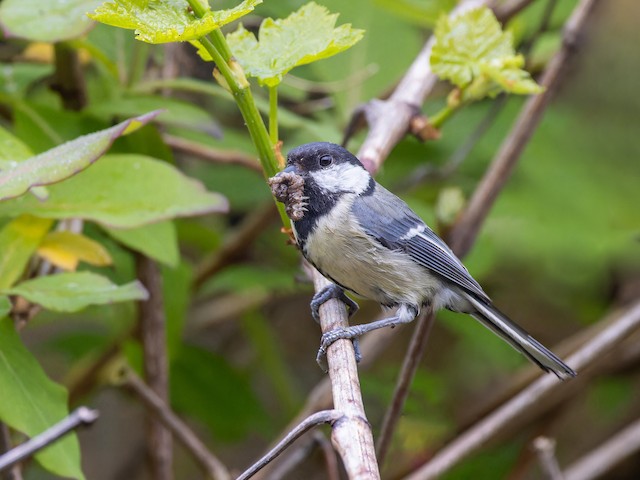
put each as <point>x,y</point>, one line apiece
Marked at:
<point>519,339</point>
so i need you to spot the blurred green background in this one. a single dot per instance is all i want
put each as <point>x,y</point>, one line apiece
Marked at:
<point>559,250</point>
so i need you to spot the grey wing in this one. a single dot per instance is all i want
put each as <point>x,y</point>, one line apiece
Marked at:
<point>393,224</point>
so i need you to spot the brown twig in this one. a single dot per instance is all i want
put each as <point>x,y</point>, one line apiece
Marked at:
<point>214,155</point>
<point>68,79</point>
<point>15,473</point>
<point>596,463</point>
<point>545,448</point>
<point>332,417</point>
<point>508,10</point>
<point>161,410</point>
<point>466,229</point>
<point>154,345</point>
<point>391,125</point>
<point>236,243</point>
<point>300,454</point>
<point>470,441</point>
<point>410,364</point>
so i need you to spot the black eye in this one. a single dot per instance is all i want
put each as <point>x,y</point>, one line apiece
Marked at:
<point>325,161</point>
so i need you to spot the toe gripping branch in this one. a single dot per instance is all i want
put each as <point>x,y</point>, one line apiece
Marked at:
<point>327,293</point>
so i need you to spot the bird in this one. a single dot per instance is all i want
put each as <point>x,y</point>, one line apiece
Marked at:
<point>369,242</point>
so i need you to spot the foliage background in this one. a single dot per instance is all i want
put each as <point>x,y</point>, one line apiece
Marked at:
<point>559,249</point>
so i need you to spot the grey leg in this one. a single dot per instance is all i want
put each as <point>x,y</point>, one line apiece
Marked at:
<point>405,314</point>
<point>327,293</point>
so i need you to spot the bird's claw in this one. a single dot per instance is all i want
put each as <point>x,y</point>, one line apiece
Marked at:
<point>329,338</point>
<point>327,293</point>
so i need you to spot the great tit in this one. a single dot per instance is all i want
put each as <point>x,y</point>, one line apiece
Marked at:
<point>369,242</point>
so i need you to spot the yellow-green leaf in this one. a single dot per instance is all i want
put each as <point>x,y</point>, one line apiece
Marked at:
<point>474,53</point>
<point>31,403</point>
<point>67,249</point>
<point>64,160</point>
<point>12,151</point>
<point>73,291</point>
<point>19,240</point>
<point>162,21</point>
<point>307,35</point>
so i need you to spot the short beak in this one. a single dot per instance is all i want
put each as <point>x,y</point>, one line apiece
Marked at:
<point>290,169</point>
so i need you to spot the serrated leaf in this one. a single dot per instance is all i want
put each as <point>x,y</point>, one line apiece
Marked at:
<point>65,160</point>
<point>158,241</point>
<point>49,21</point>
<point>73,291</point>
<point>67,249</point>
<point>162,21</point>
<point>122,191</point>
<point>307,35</point>
<point>31,403</point>
<point>19,240</point>
<point>473,52</point>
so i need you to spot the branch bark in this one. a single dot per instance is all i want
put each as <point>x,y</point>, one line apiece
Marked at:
<point>470,441</point>
<point>154,346</point>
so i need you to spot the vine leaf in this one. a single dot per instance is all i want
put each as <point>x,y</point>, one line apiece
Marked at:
<point>122,191</point>
<point>73,291</point>
<point>31,403</point>
<point>474,53</point>
<point>307,35</point>
<point>64,160</point>
<point>163,21</point>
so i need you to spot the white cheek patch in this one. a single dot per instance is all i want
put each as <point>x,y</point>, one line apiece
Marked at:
<point>343,177</point>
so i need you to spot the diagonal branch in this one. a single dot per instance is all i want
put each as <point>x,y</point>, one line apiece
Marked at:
<point>473,439</point>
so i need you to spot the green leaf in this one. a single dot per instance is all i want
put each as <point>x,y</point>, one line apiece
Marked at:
<point>19,240</point>
<point>473,52</point>
<point>5,306</point>
<point>50,21</point>
<point>162,21</point>
<point>122,191</point>
<point>157,241</point>
<point>73,291</point>
<point>305,36</point>
<point>31,403</point>
<point>65,160</point>
<point>14,150</point>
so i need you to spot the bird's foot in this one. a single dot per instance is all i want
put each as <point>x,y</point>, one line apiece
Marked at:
<point>327,293</point>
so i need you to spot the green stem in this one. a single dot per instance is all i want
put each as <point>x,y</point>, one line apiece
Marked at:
<point>216,45</point>
<point>442,116</point>
<point>273,114</point>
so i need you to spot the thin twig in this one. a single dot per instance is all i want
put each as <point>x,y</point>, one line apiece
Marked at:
<point>214,155</point>
<point>387,129</point>
<point>463,234</point>
<point>324,416</point>
<point>602,459</point>
<point>410,365</point>
<point>154,345</point>
<point>470,441</point>
<point>80,416</point>
<point>506,11</point>
<point>545,448</point>
<point>210,464</point>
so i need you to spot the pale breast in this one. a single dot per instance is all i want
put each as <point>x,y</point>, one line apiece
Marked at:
<point>359,263</point>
